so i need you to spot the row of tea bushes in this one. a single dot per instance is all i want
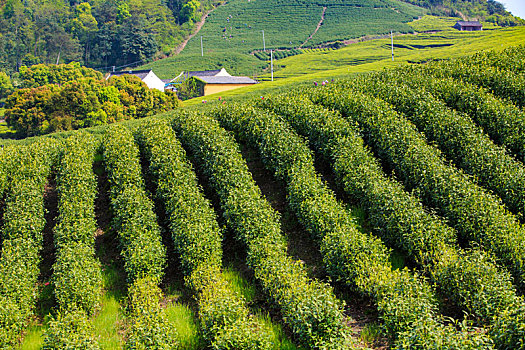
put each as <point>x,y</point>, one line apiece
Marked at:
<point>23,224</point>
<point>469,278</point>
<point>456,135</point>
<point>307,306</point>
<point>197,238</point>
<point>476,214</point>
<point>140,239</point>
<point>511,59</point>
<point>405,302</point>
<point>77,277</point>
<point>502,121</point>
<point>505,84</point>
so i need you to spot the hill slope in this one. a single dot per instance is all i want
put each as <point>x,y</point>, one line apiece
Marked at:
<point>235,30</point>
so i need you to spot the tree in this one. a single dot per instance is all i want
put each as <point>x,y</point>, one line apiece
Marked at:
<point>81,103</point>
<point>84,25</point>
<point>6,87</point>
<point>135,43</point>
<point>190,10</point>
<point>43,74</point>
<point>28,110</point>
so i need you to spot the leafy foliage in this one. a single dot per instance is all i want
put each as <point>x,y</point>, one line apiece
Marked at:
<point>76,273</point>
<point>476,214</point>
<point>491,10</point>
<point>356,259</point>
<point>82,103</point>
<point>23,223</point>
<point>501,82</point>
<point>456,135</point>
<point>469,278</point>
<point>309,307</point>
<point>98,33</point>
<point>197,238</point>
<point>141,241</point>
<point>70,330</point>
<point>6,86</point>
<point>43,74</point>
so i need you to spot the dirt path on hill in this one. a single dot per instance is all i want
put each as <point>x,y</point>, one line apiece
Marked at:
<point>197,29</point>
<point>316,29</point>
<point>462,15</point>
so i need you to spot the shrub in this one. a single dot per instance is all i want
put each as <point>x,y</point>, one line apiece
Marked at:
<point>23,222</point>
<point>141,241</point>
<point>470,278</point>
<point>354,258</point>
<point>476,214</point>
<point>308,307</point>
<point>197,239</point>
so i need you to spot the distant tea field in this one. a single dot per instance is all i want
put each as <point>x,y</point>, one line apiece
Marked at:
<point>233,31</point>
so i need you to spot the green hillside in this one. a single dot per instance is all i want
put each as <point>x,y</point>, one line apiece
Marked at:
<point>375,55</point>
<point>97,33</point>
<point>235,30</point>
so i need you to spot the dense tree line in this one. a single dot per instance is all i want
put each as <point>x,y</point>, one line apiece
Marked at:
<point>65,97</point>
<point>98,33</point>
<point>490,11</point>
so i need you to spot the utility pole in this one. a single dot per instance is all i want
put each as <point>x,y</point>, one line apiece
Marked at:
<point>202,50</point>
<point>264,42</point>
<point>392,44</point>
<point>271,62</point>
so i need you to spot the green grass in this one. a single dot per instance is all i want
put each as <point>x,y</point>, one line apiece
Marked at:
<point>248,290</point>
<point>108,323</point>
<point>34,338</point>
<point>186,324</point>
<point>276,331</point>
<point>370,333</point>
<point>240,284</point>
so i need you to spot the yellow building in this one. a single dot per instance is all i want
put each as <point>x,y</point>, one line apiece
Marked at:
<point>215,81</point>
<point>216,84</point>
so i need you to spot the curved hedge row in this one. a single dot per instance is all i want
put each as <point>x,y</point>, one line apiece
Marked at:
<point>5,165</point>
<point>22,237</point>
<point>307,306</point>
<point>457,137</point>
<point>503,83</point>
<point>476,214</point>
<point>406,302</point>
<point>468,278</point>
<point>197,238</point>
<point>141,241</point>
<point>512,59</point>
<point>77,276</point>
<point>504,122</point>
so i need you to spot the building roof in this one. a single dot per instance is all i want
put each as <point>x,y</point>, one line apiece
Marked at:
<point>208,73</point>
<point>226,80</point>
<point>469,23</point>
<point>139,73</point>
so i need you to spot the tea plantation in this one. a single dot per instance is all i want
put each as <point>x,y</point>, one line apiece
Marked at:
<point>382,210</point>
